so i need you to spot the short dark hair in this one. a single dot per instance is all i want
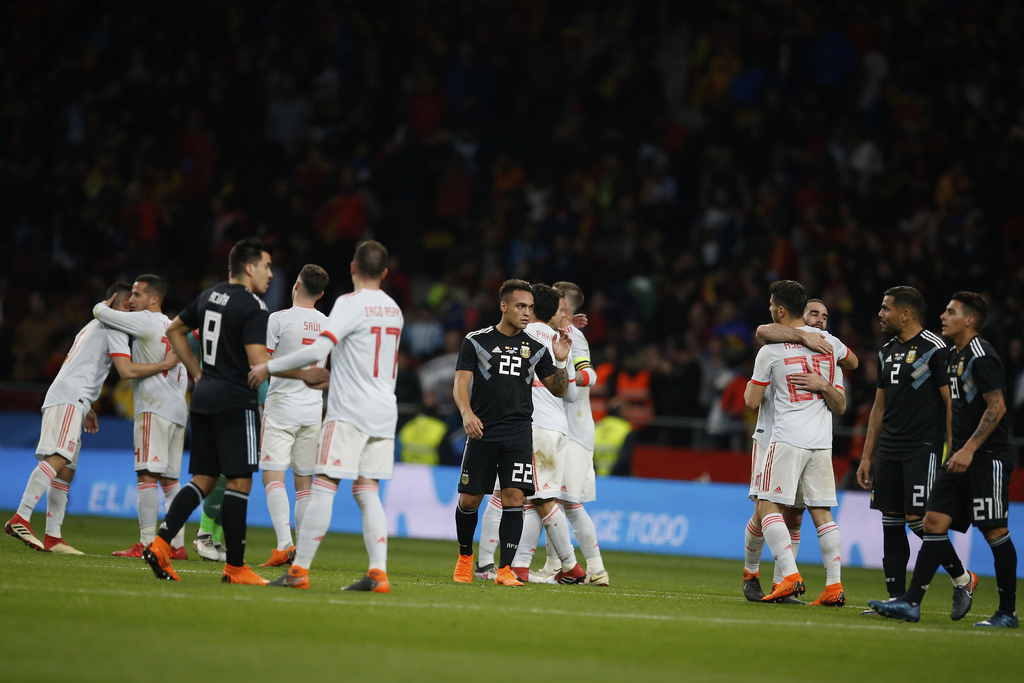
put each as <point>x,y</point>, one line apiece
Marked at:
<point>974,304</point>
<point>907,297</point>
<point>545,301</point>
<point>790,295</point>
<point>119,288</point>
<point>154,285</point>
<point>509,286</point>
<point>814,301</point>
<point>371,258</point>
<point>246,251</point>
<point>314,279</point>
<point>572,294</point>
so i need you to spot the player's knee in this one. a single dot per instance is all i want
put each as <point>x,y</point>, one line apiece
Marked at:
<point>992,533</point>
<point>936,523</point>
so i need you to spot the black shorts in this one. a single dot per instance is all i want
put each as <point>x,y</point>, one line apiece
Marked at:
<point>904,485</point>
<point>226,442</point>
<point>980,496</point>
<point>510,460</point>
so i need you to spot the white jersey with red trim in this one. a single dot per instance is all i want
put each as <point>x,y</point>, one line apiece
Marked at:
<point>163,393</point>
<point>366,327</point>
<point>86,366</point>
<point>292,401</point>
<point>802,419</point>
<point>548,410</point>
<point>578,413</point>
<point>765,419</point>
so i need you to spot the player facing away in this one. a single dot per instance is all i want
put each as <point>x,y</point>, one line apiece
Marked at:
<point>808,388</point>
<point>160,408</point>
<point>225,437</point>
<point>550,450</point>
<point>358,437</point>
<point>292,412</point>
<point>501,362</point>
<point>975,479</point>
<point>815,316</point>
<point>907,429</point>
<point>67,410</point>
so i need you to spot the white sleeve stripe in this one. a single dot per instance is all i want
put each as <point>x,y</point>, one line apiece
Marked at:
<point>482,331</point>
<point>933,338</point>
<point>977,347</point>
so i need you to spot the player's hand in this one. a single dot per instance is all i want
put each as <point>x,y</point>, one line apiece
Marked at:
<point>809,381</point>
<point>815,342</point>
<point>864,473</point>
<point>316,378</point>
<point>579,321</point>
<point>91,423</point>
<point>110,302</point>
<point>473,426</point>
<point>258,375</point>
<point>561,345</point>
<point>170,359</point>
<point>960,461</point>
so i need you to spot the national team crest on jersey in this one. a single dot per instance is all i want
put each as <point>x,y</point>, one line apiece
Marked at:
<point>960,368</point>
<point>911,355</point>
<point>465,477</point>
<point>524,351</point>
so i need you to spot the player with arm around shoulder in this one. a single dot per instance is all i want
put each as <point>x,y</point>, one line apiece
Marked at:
<point>292,412</point>
<point>815,316</point>
<point>67,411</point>
<point>357,440</point>
<point>807,390</point>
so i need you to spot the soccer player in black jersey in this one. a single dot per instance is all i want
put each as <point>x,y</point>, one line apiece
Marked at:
<point>906,432</point>
<point>225,426</point>
<point>975,480</point>
<point>502,362</point>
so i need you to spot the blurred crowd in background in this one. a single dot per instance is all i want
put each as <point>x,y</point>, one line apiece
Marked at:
<point>672,158</point>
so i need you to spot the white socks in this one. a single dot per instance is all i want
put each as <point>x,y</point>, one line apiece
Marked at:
<point>489,531</point>
<point>753,546</point>
<point>56,506</point>
<point>315,522</point>
<point>586,536</point>
<point>776,535</point>
<point>531,536</point>
<point>375,525</point>
<point>301,503</point>
<point>38,481</point>
<point>280,513</point>
<point>557,527</point>
<point>828,539</point>
<point>149,511</point>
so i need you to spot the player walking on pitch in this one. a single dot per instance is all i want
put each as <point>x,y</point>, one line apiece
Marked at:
<point>501,363</point>
<point>907,429</point>
<point>358,437</point>
<point>976,478</point>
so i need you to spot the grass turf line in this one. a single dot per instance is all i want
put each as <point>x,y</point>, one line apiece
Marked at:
<point>663,618</point>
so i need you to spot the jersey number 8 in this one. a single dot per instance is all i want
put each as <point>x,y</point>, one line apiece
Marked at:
<point>211,334</point>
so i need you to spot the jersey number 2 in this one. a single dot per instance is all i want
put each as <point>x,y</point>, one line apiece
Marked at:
<point>377,332</point>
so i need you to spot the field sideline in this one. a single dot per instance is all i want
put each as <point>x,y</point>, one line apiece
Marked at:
<point>663,618</point>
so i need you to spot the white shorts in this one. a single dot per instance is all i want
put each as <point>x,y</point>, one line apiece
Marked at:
<point>61,433</point>
<point>346,453</point>
<point>578,479</point>
<point>549,454</point>
<point>284,446</point>
<point>158,445</point>
<point>790,474</point>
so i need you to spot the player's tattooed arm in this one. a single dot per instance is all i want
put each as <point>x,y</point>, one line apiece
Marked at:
<point>994,410</point>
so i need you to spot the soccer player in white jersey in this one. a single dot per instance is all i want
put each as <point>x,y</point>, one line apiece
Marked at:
<point>160,408</point>
<point>292,412</point>
<point>808,389</point>
<point>67,410</point>
<point>550,445</point>
<point>358,437</point>
<point>815,315</point>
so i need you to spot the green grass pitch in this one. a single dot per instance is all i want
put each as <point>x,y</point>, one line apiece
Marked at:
<point>101,618</point>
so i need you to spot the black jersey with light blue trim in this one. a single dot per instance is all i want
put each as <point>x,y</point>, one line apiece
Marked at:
<point>910,373</point>
<point>973,372</point>
<point>503,368</point>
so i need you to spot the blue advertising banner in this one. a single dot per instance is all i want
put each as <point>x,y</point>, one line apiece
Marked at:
<point>638,515</point>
